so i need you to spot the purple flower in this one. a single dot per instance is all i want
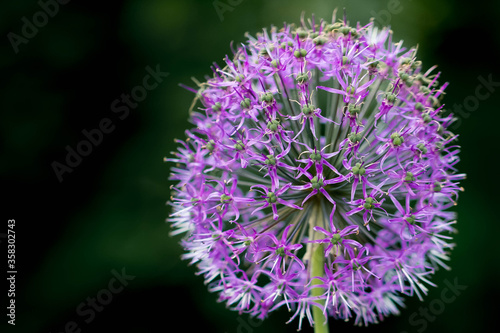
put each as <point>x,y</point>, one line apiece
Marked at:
<point>318,175</point>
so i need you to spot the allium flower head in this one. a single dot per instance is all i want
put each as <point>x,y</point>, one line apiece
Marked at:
<point>318,175</point>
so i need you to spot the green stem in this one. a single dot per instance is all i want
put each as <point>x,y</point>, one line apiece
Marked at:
<point>317,270</point>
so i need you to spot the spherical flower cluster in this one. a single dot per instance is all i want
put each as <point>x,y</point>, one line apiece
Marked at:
<point>318,174</point>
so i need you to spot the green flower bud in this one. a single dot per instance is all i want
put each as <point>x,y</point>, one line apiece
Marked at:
<point>437,187</point>
<point>280,251</point>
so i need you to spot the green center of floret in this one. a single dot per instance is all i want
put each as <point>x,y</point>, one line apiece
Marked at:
<point>270,160</point>
<point>419,106</point>
<point>369,203</point>
<point>268,97</point>
<point>437,187</point>
<point>424,90</point>
<point>273,125</point>
<point>353,109</point>
<point>216,107</point>
<point>390,97</point>
<point>210,145</point>
<point>397,139</point>
<point>372,63</point>
<point>345,30</point>
<point>320,40</point>
<point>336,239</point>
<point>358,169</point>
<point>302,78</point>
<point>350,90</point>
<point>406,78</point>
<point>280,251</point>
<point>245,104</point>
<point>271,198</point>
<point>302,33</point>
<point>284,45</point>
<point>300,53</point>
<point>409,177</point>
<point>422,148</point>
<point>225,198</point>
<point>410,219</point>
<point>316,184</point>
<point>239,145</point>
<point>354,137</point>
<point>315,157</point>
<point>308,110</point>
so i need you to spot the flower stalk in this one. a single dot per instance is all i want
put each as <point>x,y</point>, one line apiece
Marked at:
<point>317,270</point>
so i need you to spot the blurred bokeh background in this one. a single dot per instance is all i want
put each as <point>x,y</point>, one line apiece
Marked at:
<point>107,216</point>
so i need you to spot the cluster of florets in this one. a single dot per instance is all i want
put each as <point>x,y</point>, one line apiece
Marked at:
<point>324,136</point>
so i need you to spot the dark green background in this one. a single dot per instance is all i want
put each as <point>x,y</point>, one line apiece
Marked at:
<point>110,212</point>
